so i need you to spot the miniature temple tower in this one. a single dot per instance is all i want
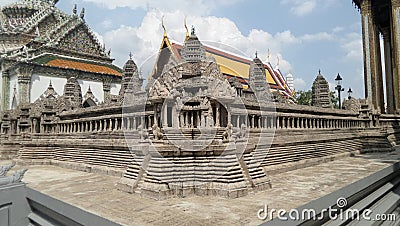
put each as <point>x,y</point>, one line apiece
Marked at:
<point>320,92</point>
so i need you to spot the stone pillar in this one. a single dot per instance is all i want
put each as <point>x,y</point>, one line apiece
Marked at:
<point>165,115</point>
<point>149,121</point>
<point>372,57</point>
<point>217,115</point>
<point>174,117</point>
<point>277,122</point>
<point>198,115</point>
<point>110,127</point>
<point>229,118</point>
<point>107,90</point>
<point>192,119</point>
<point>133,123</point>
<point>395,41</point>
<point>24,74</point>
<point>34,125</point>
<point>116,124</point>
<point>155,115</point>
<point>5,92</point>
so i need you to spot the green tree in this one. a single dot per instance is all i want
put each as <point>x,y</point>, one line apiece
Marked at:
<point>334,100</point>
<point>303,97</point>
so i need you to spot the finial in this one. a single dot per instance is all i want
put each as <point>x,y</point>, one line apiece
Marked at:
<point>277,64</point>
<point>74,10</point>
<point>269,55</point>
<point>163,26</point>
<point>89,90</point>
<point>50,85</point>
<point>130,55</point>
<point>193,31</point>
<point>319,71</point>
<point>256,54</point>
<point>187,31</point>
<point>83,13</point>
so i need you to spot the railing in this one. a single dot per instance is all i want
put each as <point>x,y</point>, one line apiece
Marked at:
<point>283,117</point>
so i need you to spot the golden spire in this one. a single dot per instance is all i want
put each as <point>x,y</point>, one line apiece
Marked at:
<point>187,30</point>
<point>163,26</point>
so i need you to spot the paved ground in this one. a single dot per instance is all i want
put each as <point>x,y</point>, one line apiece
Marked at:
<point>97,193</point>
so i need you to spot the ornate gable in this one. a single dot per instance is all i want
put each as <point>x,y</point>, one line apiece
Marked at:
<point>45,26</point>
<point>82,40</point>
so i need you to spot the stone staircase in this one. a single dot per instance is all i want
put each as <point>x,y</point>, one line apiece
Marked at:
<point>186,175</point>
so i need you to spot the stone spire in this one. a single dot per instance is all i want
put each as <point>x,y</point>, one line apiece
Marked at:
<point>74,10</point>
<point>89,98</point>
<point>73,92</point>
<point>320,92</point>
<point>82,13</point>
<point>131,79</point>
<point>193,50</point>
<point>257,78</point>
<point>50,92</point>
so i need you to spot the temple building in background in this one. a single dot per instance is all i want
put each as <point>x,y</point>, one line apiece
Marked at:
<point>235,67</point>
<point>40,44</point>
<point>381,18</point>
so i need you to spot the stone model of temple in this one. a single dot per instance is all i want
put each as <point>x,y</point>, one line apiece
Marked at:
<point>207,122</point>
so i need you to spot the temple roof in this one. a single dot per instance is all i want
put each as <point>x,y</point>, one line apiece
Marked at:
<point>77,64</point>
<point>36,31</point>
<point>232,65</point>
<point>41,22</point>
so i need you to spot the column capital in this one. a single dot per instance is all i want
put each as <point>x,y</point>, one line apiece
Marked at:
<point>366,7</point>
<point>395,3</point>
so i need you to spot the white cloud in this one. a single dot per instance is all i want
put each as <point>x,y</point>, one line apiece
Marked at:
<point>317,37</point>
<point>300,84</point>
<point>194,7</point>
<point>337,29</point>
<point>145,39</point>
<point>305,7</point>
<point>301,7</point>
<point>352,45</point>
<point>107,23</point>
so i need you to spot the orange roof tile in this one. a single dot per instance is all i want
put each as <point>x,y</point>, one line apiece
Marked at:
<point>83,66</point>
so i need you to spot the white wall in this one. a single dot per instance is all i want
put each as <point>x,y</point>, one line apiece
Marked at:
<point>39,84</point>
<point>115,88</point>
<point>96,87</point>
<point>13,83</point>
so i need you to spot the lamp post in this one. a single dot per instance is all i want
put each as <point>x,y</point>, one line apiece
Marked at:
<point>339,88</point>
<point>350,92</point>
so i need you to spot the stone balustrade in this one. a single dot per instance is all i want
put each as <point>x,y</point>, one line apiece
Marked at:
<point>284,117</point>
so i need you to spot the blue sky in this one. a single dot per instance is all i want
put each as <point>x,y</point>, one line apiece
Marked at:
<point>307,35</point>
